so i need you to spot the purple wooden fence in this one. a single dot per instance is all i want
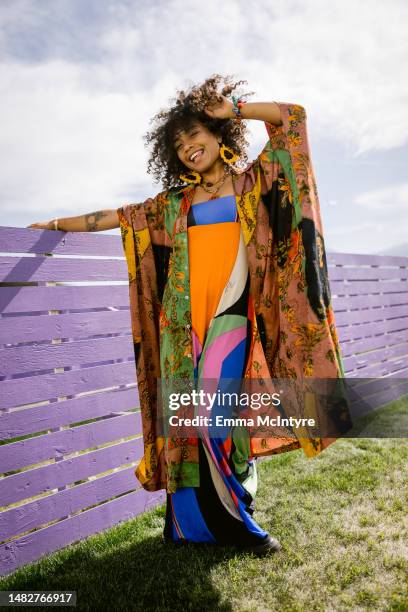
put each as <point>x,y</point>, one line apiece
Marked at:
<point>68,381</point>
<point>370,302</point>
<point>68,385</point>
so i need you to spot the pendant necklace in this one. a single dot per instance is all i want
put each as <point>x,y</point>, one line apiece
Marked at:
<point>209,187</point>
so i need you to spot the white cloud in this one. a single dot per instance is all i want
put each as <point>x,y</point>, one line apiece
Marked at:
<point>73,121</point>
<point>378,221</point>
<point>65,146</point>
<point>393,197</point>
<point>372,236</point>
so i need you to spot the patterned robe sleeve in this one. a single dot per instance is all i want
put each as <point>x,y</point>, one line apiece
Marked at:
<point>308,341</point>
<point>142,232</point>
<point>146,244</point>
<point>285,164</point>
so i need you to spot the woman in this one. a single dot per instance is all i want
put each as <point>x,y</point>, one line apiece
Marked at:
<point>228,281</point>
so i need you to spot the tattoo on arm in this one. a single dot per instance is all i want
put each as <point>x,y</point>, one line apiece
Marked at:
<point>92,220</point>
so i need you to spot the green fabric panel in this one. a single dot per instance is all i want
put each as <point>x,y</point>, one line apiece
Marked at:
<point>247,475</point>
<point>242,450</point>
<point>175,336</point>
<point>174,198</point>
<point>340,360</point>
<point>285,161</point>
<point>185,474</point>
<point>251,482</point>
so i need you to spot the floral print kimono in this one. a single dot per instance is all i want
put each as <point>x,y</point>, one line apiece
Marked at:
<point>233,288</point>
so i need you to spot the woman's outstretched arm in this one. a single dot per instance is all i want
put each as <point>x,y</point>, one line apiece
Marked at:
<point>97,221</point>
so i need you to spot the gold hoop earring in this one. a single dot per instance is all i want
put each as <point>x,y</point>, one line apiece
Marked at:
<point>228,155</point>
<point>191,177</point>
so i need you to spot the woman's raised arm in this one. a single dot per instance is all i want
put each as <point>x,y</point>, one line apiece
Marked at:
<point>264,111</point>
<point>97,221</point>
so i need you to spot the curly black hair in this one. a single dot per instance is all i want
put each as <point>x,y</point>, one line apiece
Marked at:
<point>186,109</point>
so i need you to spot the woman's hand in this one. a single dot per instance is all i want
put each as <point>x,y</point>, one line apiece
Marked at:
<point>220,109</point>
<point>43,225</point>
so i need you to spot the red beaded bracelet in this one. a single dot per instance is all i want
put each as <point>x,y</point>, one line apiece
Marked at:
<point>238,104</point>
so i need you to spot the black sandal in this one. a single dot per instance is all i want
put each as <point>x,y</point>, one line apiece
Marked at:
<point>270,544</point>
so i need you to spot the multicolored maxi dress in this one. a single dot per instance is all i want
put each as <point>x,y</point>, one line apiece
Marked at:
<point>220,509</point>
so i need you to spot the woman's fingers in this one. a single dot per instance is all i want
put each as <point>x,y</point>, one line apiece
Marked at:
<point>39,225</point>
<point>219,108</point>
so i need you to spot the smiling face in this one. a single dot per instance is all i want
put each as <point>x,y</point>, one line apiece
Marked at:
<point>197,147</point>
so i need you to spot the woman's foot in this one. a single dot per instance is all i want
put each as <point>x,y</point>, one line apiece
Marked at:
<point>269,545</point>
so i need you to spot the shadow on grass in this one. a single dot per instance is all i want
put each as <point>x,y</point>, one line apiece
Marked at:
<point>387,421</point>
<point>145,574</point>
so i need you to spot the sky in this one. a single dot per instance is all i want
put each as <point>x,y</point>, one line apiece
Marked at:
<point>80,80</point>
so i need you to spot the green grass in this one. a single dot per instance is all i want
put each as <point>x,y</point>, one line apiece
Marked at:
<point>341,518</point>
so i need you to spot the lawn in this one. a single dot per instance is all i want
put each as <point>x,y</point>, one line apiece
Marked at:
<point>341,518</point>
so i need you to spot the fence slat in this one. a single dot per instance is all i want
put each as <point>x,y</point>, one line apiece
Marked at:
<point>40,328</point>
<point>397,354</point>
<point>26,359</point>
<point>55,445</point>
<point>14,269</point>
<point>360,259</point>
<point>370,314</point>
<point>342,287</point>
<point>374,343</point>
<point>30,240</point>
<point>389,327</point>
<point>33,299</point>
<point>384,299</point>
<point>359,274</point>
<point>62,413</point>
<point>19,391</point>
